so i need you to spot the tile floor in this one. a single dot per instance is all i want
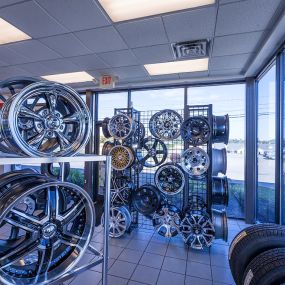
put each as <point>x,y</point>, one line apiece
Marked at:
<point>145,258</point>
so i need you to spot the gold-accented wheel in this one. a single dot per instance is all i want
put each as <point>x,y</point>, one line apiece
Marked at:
<point>122,157</point>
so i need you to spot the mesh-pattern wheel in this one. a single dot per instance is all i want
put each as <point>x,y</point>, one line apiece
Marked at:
<point>152,153</point>
<point>122,157</point>
<point>119,221</point>
<point>196,131</point>
<point>165,125</point>
<point>46,119</point>
<point>121,188</point>
<point>195,161</point>
<point>50,240</point>
<point>166,221</point>
<point>121,127</point>
<point>197,229</point>
<point>169,179</point>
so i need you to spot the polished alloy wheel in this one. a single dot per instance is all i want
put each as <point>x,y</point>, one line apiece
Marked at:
<point>50,239</point>
<point>121,126</point>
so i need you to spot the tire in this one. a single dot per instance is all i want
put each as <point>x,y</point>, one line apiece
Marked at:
<point>245,247</point>
<point>268,268</point>
<point>48,170</point>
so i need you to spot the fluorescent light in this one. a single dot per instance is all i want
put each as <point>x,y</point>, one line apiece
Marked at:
<point>73,77</point>
<point>193,65</point>
<point>122,10</point>
<point>10,34</point>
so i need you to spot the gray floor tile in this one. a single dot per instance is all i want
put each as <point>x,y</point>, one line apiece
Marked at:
<point>122,269</point>
<point>131,282</point>
<point>98,268</point>
<point>222,275</point>
<point>87,277</point>
<point>197,281</point>
<point>170,278</point>
<point>115,251</point>
<point>174,265</point>
<point>137,244</point>
<point>114,280</point>
<point>177,242</point>
<point>145,274</point>
<point>220,260</point>
<point>86,259</point>
<point>219,249</point>
<point>152,260</point>
<point>121,242</point>
<point>199,270</point>
<point>201,256</point>
<point>160,239</point>
<point>130,255</point>
<point>177,252</point>
<point>156,248</point>
<point>141,235</point>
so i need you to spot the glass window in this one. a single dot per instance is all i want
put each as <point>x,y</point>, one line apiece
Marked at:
<point>109,101</point>
<point>150,100</point>
<point>228,99</point>
<point>266,146</point>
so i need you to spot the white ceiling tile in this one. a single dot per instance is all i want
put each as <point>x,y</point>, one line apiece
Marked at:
<point>100,72</point>
<point>34,50</point>
<point>35,68</point>
<point>145,32</point>
<point>11,57</point>
<point>226,72</point>
<point>89,62</point>
<point>119,58</point>
<point>130,72</point>
<point>12,71</point>
<point>229,62</point>
<point>76,15</point>
<point>236,44</point>
<point>229,1</point>
<point>32,19</point>
<point>102,39</point>
<point>4,3</point>
<point>193,74</point>
<point>61,65</point>
<point>245,16</point>
<point>165,77</point>
<point>154,54</point>
<point>191,25</point>
<point>67,45</point>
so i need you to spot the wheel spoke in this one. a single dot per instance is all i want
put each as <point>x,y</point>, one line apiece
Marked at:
<point>72,214</point>
<point>18,252</point>
<point>62,140</point>
<point>37,140</point>
<point>28,113</point>
<point>51,100</point>
<point>72,118</point>
<point>53,203</point>
<point>44,261</point>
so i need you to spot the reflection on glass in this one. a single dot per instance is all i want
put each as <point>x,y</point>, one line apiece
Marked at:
<point>266,147</point>
<point>228,99</point>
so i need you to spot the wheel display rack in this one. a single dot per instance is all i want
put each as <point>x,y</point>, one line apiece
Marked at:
<point>101,256</point>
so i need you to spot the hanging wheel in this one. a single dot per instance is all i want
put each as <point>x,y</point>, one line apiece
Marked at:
<point>165,125</point>
<point>122,157</point>
<point>121,127</point>
<point>121,190</point>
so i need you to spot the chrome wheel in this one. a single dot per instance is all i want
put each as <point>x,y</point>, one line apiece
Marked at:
<point>169,179</point>
<point>196,131</point>
<point>195,161</point>
<point>51,240</point>
<point>197,229</point>
<point>121,127</point>
<point>121,190</point>
<point>119,221</point>
<point>165,125</point>
<point>220,195</point>
<point>166,221</point>
<point>220,224</point>
<point>46,119</point>
<point>219,162</point>
<point>221,129</point>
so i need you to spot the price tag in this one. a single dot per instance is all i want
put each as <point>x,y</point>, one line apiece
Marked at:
<point>107,81</point>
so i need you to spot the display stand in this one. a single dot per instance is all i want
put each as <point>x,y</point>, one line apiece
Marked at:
<point>102,257</point>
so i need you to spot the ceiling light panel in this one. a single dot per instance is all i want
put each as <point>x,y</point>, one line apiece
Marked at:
<point>11,34</point>
<point>173,67</point>
<point>73,77</point>
<point>122,10</point>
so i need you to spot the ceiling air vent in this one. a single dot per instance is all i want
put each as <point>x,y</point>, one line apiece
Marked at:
<point>195,49</point>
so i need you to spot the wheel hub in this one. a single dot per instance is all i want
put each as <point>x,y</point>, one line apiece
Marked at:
<point>52,122</point>
<point>49,230</point>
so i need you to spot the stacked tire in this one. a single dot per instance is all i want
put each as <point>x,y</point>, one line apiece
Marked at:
<point>257,255</point>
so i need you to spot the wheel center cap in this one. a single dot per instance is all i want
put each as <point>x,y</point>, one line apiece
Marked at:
<point>49,230</point>
<point>52,122</point>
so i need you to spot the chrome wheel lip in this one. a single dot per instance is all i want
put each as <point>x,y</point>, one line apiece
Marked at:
<point>198,170</point>
<point>91,226</point>
<point>176,118</point>
<point>178,171</point>
<point>40,88</point>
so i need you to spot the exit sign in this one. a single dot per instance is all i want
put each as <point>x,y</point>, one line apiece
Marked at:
<point>107,81</point>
